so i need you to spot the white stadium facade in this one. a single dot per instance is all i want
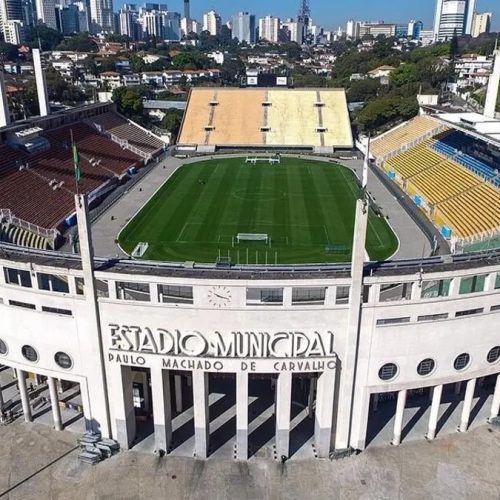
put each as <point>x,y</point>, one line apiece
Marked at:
<point>203,360</point>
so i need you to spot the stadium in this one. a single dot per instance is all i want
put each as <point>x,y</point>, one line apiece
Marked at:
<point>268,288</point>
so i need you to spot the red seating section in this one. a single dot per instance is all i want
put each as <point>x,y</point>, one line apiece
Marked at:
<point>28,193</point>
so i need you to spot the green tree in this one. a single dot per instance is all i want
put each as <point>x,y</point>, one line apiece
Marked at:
<point>8,52</point>
<point>172,121</point>
<point>129,101</point>
<point>363,90</point>
<point>78,43</point>
<point>404,74</point>
<point>48,38</point>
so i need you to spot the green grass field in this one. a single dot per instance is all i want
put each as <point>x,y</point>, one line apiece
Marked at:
<point>306,207</point>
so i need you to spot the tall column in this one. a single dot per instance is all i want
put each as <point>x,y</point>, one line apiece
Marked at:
<point>4,105</point>
<point>123,405</point>
<point>310,400</point>
<point>433,418</point>
<point>495,404</point>
<point>23,391</point>
<point>283,412</point>
<point>54,402</point>
<point>469,395</point>
<point>41,84</point>
<point>91,324</point>
<point>398,421</point>
<point>242,415</point>
<point>350,359</point>
<point>178,393</point>
<point>324,413</point>
<point>492,92</point>
<point>1,398</point>
<point>162,412</point>
<point>201,416</point>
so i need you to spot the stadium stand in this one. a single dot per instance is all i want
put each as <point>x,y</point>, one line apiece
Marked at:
<point>458,190</point>
<point>237,121</point>
<point>266,117</point>
<point>292,118</point>
<point>37,190</point>
<point>407,135</point>
<point>122,128</point>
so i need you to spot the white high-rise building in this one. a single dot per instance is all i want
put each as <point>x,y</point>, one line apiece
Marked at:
<point>269,27</point>
<point>212,22</point>
<point>244,27</point>
<point>189,25</point>
<point>481,23</point>
<point>101,15</point>
<point>352,29</point>
<point>162,24</point>
<point>127,18</point>
<point>46,13</point>
<point>295,31</point>
<point>453,17</point>
<point>11,21</point>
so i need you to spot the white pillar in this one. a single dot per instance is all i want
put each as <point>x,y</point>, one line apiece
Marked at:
<point>469,395</point>
<point>41,84</point>
<point>398,421</point>
<point>54,402</point>
<point>201,417</point>
<point>1,398</point>
<point>310,399</point>
<point>433,418</point>
<point>495,404</point>
<point>349,362</point>
<point>4,105</point>
<point>324,413</point>
<point>242,415</point>
<point>23,391</point>
<point>123,405</point>
<point>492,92</point>
<point>162,413</point>
<point>283,411</point>
<point>178,393</point>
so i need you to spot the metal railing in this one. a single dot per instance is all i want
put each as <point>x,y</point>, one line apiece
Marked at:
<point>49,234</point>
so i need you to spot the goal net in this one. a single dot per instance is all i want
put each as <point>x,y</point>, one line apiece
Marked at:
<point>252,237</point>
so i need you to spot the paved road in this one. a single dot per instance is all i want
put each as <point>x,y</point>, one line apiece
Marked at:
<point>38,463</point>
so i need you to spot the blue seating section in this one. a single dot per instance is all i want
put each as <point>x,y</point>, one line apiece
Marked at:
<point>455,144</point>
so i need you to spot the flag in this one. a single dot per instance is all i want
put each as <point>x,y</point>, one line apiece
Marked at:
<point>76,162</point>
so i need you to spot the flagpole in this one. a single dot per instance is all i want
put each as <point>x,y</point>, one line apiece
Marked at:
<point>77,180</point>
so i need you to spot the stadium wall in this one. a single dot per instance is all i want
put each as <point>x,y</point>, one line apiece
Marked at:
<point>401,322</point>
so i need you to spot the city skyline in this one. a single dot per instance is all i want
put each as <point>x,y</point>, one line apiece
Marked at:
<point>329,18</point>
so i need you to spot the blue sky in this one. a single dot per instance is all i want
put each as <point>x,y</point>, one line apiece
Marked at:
<point>329,13</point>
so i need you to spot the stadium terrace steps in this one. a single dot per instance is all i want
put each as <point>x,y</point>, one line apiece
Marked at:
<point>273,117</point>
<point>416,129</point>
<point>124,129</point>
<point>455,195</point>
<point>40,188</point>
<point>10,233</point>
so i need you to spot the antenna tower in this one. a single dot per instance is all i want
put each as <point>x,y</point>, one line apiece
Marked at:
<point>304,13</point>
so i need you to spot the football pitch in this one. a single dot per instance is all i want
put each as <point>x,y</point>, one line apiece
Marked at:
<point>304,207</point>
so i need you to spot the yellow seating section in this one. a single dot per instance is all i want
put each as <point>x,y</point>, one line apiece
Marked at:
<point>335,119</point>
<point>237,119</point>
<point>197,116</point>
<point>443,181</point>
<point>461,200</point>
<point>411,130</point>
<point>414,161</point>
<point>292,118</point>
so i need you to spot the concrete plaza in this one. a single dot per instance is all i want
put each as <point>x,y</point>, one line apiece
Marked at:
<point>37,463</point>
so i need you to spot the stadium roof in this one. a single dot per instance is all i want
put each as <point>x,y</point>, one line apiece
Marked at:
<point>474,123</point>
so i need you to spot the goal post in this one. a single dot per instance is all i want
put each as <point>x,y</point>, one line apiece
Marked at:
<point>252,237</point>
<point>272,160</point>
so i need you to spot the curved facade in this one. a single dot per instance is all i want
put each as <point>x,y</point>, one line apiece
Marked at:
<point>144,335</point>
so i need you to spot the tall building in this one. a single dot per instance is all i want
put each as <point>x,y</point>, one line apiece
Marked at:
<point>189,25</point>
<point>161,24</point>
<point>187,10</point>
<point>294,31</point>
<point>212,22</point>
<point>69,19</point>
<point>128,22</point>
<point>46,13</point>
<point>11,21</point>
<point>415,29</point>
<point>481,23</point>
<point>269,27</point>
<point>452,18</point>
<point>352,29</point>
<point>377,28</point>
<point>244,27</point>
<point>101,15</point>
